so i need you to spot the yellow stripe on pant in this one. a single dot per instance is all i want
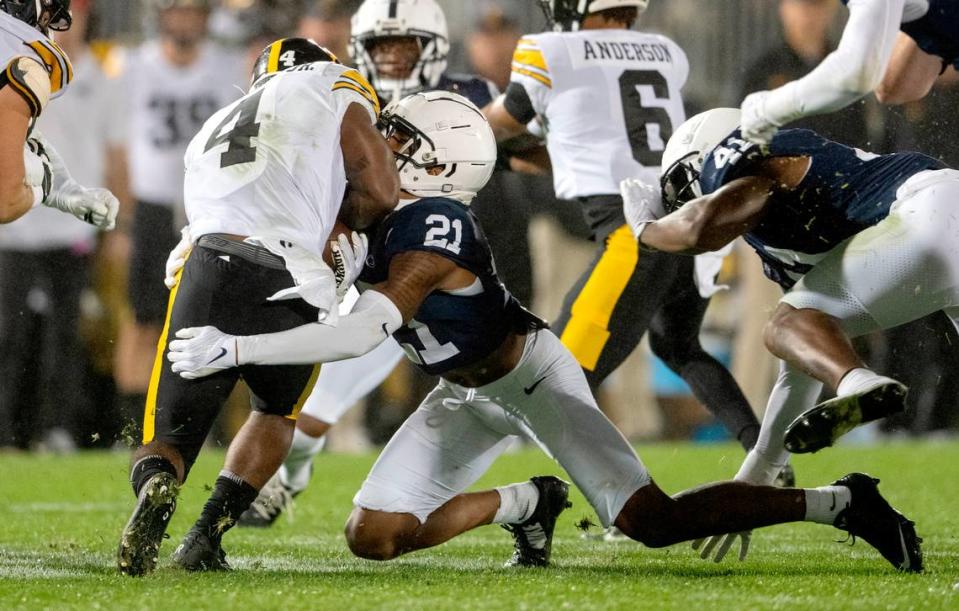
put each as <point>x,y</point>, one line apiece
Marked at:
<point>587,331</point>
<point>307,391</point>
<point>150,411</point>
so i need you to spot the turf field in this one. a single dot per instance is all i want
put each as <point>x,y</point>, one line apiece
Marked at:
<point>60,518</point>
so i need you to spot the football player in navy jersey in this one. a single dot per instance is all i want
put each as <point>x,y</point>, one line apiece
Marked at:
<point>859,242</point>
<point>432,284</point>
<point>401,48</point>
<point>897,48</point>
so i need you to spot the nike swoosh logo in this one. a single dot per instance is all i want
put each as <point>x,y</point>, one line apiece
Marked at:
<point>529,389</point>
<point>906,562</point>
<point>218,357</point>
<point>833,506</point>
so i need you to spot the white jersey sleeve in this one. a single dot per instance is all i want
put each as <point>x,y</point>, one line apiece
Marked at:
<point>851,71</point>
<point>18,43</point>
<point>608,101</point>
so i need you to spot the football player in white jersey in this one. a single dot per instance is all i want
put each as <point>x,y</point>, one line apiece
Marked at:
<point>174,83</point>
<point>609,98</point>
<point>265,180</point>
<point>430,281</point>
<point>897,48</point>
<point>34,70</point>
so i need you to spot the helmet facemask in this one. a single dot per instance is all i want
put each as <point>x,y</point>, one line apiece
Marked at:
<point>45,15</point>
<point>680,182</point>
<point>424,69</point>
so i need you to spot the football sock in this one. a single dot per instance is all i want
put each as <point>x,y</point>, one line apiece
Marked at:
<point>759,469</point>
<point>231,496</point>
<point>856,380</point>
<point>295,471</point>
<point>517,502</point>
<point>823,504</point>
<point>147,467</point>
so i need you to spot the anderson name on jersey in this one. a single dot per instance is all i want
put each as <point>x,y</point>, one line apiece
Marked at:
<point>270,164</point>
<point>608,100</point>
<point>451,329</point>
<point>20,42</point>
<point>844,191</point>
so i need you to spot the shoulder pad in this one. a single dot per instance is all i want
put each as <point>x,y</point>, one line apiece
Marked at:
<point>30,80</point>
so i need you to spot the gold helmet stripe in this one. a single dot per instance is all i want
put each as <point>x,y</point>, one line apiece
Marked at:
<point>273,64</point>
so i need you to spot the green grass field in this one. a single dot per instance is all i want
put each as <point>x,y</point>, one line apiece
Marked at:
<point>60,519</point>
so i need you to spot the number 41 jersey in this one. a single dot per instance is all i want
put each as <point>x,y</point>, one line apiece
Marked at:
<point>608,100</point>
<point>270,164</point>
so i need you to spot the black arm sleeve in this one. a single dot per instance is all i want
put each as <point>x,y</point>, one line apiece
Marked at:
<point>518,104</point>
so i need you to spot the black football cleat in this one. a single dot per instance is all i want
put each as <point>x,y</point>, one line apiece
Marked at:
<point>198,552</point>
<point>274,498</point>
<point>533,539</point>
<point>141,537</point>
<point>822,425</point>
<point>870,517</point>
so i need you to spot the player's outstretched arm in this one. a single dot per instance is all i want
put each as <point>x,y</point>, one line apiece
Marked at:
<point>377,314</point>
<point>850,72</point>
<point>374,185</point>
<point>16,197</point>
<point>910,75</point>
<point>708,223</point>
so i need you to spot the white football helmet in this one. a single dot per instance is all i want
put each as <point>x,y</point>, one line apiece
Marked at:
<point>422,19</point>
<point>566,15</point>
<point>686,150</point>
<point>441,130</point>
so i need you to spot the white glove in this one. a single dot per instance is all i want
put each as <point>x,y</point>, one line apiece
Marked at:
<point>348,260</point>
<point>202,351</point>
<point>756,124</point>
<point>177,258</point>
<point>95,206</point>
<point>725,542</point>
<point>642,204</point>
<point>38,174</point>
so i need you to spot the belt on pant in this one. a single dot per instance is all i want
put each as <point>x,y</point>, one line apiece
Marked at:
<point>248,252</point>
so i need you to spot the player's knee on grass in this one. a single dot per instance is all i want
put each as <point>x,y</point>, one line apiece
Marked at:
<point>378,535</point>
<point>647,517</point>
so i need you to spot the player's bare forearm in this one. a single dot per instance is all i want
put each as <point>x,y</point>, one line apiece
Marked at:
<point>910,74</point>
<point>413,276</point>
<point>15,197</point>
<point>708,223</point>
<point>374,184</point>
<point>504,125</point>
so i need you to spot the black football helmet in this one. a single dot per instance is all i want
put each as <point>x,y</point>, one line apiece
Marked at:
<point>288,53</point>
<point>566,15</point>
<point>45,15</point>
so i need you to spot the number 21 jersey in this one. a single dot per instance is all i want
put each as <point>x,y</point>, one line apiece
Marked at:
<point>608,100</point>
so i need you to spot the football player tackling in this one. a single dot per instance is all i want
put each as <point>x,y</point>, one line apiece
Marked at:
<point>430,282</point>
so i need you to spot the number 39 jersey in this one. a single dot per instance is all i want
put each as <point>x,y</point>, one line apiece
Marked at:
<point>451,329</point>
<point>270,164</point>
<point>608,99</point>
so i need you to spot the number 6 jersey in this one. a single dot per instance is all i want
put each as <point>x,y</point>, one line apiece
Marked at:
<point>270,165</point>
<point>608,100</point>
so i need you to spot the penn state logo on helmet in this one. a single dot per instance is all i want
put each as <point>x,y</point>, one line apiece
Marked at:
<point>288,53</point>
<point>566,15</point>
<point>44,15</point>
<point>687,149</point>
<point>444,146</point>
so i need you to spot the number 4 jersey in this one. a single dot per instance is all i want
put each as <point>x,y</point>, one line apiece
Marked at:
<point>270,165</point>
<point>608,100</point>
<point>451,329</point>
